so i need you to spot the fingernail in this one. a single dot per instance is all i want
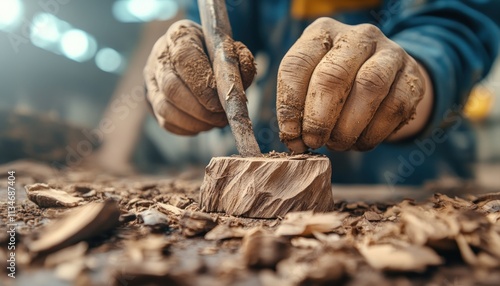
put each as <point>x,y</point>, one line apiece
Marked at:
<point>290,128</point>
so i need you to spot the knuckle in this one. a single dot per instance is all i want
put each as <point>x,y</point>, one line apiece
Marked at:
<point>400,108</point>
<point>183,29</point>
<point>368,30</point>
<point>371,81</point>
<point>322,23</point>
<point>184,23</point>
<point>291,64</point>
<point>414,85</point>
<point>340,141</point>
<point>332,76</point>
<point>392,50</point>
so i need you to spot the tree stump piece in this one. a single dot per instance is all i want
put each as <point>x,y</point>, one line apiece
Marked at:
<point>267,187</point>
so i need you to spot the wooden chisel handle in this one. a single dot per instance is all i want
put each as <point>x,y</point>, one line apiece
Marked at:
<point>225,63</point>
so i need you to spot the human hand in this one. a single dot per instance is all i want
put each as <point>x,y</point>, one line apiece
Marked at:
<point>348,87</point>
<point>181,84</point>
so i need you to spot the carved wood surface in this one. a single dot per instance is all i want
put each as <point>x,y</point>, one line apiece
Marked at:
<point>264,187</point>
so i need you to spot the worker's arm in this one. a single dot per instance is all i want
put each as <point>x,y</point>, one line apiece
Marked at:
<point>351,87</point>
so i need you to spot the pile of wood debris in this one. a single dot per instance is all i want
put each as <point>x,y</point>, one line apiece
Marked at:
<point>145,231</point>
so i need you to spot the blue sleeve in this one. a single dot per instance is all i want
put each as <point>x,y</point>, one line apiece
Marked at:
<point>243,18</point>
<point>456,41</point>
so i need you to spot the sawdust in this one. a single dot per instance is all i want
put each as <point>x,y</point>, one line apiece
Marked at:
<point>440,240</point>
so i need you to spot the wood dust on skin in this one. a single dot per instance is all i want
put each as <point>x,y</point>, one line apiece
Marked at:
<point>350,246</point>
<point>187,46</point>
<point>292,106</point>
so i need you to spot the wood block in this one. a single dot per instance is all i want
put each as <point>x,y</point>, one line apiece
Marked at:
<point>267,187</point>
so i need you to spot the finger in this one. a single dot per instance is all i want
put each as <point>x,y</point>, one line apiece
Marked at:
<point>190,62</point>
<point>247,64</point>
<point>331,83</point>
<point>169,115</point>
<point>176,130</point>
<point>180,96</point>
<point>371,85</point>
<point>395,110</point>
<point>166,114</point>
<point>294,74</point>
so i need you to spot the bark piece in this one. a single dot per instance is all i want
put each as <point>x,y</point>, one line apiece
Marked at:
<point>46,197</point>
<point>263,187</point>
<point>83,223</point>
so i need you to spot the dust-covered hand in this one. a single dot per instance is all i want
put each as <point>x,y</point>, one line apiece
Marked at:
<point>180,83</point>
<point>348,87</point>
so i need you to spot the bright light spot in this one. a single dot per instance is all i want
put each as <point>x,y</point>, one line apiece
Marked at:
<point>46,30</point>
<point>78,45</point>
<point>144,10</point>
<point>11,12</point>
<point>108,60</point>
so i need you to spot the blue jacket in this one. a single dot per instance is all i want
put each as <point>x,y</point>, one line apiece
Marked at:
<point>457,42</point>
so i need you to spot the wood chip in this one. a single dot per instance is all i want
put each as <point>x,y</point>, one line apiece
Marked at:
<point>196,223</point>
<point>153,218</point>
<point>302,242</point>
<point>400,258</point>
<point>492,206</point>
<point>372,216</point>
<point>305,223</point>
<point>146,273</point>
<point>422,225</point>
<point>69,271</point>
<point>127,217</point>
<point>179,201</point>
<point>170,209</point>
<point>210,250</point>
<point>83,223</point>
<point>67,254</point>
<point>46,197</point>
<point>224,231</point>
<point>328,269</point>
<point>262,249</point>
<point>487,197</point>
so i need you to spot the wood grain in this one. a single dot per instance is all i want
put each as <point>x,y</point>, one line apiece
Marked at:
<point>263,187</point>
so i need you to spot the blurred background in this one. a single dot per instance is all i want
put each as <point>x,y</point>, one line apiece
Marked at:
<point>67,64</point>
<point>63,61</point>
